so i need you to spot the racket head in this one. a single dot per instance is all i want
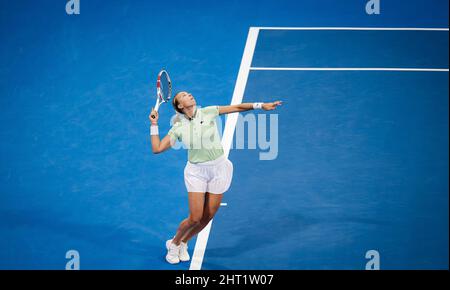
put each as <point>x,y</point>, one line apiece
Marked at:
<point>164,86</point>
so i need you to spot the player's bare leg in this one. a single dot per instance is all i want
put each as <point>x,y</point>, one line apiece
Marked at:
<point>212,204</point>
<point>196,209</point>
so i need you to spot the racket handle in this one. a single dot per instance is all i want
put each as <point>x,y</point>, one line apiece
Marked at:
<point>157,106</point>
<point>156,109</point>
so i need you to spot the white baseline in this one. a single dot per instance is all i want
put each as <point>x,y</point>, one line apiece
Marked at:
<point>355,28</point>
<point>352,69</point>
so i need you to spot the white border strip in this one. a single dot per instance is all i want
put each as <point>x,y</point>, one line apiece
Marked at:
<point>350,69</point>
<point>354,28</point>
<point>227,138</point>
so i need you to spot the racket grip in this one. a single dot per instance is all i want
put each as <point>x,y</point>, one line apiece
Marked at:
<point>157,106</point>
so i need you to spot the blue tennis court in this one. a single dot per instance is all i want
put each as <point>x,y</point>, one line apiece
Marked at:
<point>362,158</point>
<point>356,159</point>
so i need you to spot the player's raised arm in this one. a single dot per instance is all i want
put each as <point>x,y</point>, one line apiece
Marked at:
<point>158,146</point>
<point>248,106</point>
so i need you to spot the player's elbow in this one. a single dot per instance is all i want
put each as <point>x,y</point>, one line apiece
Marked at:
<point>157,150</point>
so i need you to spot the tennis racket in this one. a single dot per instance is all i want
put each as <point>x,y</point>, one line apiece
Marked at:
<point>163,89</point>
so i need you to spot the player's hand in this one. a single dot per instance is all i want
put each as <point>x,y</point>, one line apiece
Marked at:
<point>153,117</point>
<point>271,106</point>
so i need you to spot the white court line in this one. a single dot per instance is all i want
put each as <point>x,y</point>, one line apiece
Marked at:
<point>355,28</point>
<point>351,69</point>
<point>224,204</point>
<point>244,70</point>
<point>227,138</point>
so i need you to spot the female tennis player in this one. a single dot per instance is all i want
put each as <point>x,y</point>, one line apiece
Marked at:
<point>208,173</point>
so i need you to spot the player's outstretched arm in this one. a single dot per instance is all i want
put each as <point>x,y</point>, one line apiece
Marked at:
<point>248,106</point>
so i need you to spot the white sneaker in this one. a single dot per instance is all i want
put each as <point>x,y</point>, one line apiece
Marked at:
<point>184,255</point>
<point>173,252</point>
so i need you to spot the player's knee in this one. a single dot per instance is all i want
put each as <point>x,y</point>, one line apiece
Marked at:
<point>195,220</point>
<point>206,218</point>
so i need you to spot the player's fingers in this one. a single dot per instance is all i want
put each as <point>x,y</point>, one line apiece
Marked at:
<point>153,114</point>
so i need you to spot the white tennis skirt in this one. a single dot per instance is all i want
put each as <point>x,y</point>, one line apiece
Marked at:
<point>212,176</point>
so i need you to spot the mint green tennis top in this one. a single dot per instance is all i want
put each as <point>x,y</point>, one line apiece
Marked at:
<point>200,135</point>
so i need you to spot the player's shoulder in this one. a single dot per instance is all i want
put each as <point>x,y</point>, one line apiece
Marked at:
<point>177,121</point>
<point>210,109</point>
